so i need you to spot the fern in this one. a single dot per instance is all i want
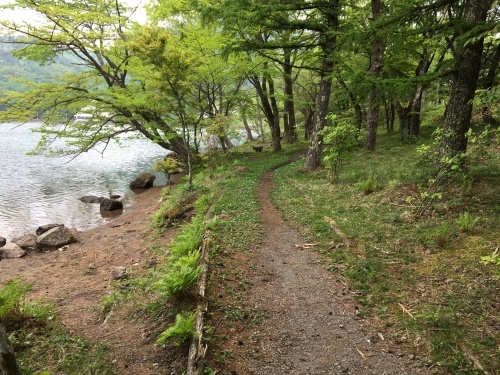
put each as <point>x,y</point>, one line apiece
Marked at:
<point>180,332</point>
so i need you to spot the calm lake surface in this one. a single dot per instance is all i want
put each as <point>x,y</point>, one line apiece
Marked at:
<point>35,190</point>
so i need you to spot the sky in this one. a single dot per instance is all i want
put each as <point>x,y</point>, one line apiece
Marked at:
<point>30,16</point>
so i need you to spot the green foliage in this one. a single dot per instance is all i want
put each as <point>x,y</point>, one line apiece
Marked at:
<point>180,332</point>
<point>178,282</point>
<point>341,136</point>
<point>466,222</point>
<point>168,166</point>
<point>368,186</point>
<point>188,239</point>
<point>494,260</point>
<point>11,296</point>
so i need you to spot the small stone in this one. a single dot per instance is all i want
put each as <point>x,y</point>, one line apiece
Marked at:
<point>412,357</point>
<point>11,251</point>
<point>341,326</point>
<point>92,266</point>
<point>3,241</point>
<point>118,272</point>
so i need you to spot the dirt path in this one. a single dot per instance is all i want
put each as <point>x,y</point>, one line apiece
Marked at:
<point>78,278</point>
<point>310,325</point>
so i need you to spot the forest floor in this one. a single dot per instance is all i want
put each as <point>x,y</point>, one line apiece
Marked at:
<point>308,322</point>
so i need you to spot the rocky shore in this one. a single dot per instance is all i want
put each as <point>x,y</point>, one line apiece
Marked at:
<point>76,277</point>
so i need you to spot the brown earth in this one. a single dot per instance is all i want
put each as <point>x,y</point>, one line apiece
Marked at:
<point>78,278</point>
<point>300,320</point>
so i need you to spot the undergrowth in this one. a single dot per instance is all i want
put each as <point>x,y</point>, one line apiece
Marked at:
<point>421,275</point>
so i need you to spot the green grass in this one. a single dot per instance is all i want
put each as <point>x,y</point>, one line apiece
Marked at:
<point>40,343</point>
<point>430,265</point>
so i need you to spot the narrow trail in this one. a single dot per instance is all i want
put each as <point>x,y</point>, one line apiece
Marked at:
<point>310,325</point>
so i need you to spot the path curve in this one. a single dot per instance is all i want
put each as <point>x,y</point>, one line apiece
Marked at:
<point>310,325</point>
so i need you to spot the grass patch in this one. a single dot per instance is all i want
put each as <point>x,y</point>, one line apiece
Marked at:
<point>429,265</point>
<point>40,343</point>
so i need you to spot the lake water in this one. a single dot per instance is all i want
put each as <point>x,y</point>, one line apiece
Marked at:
<point>35,190</point>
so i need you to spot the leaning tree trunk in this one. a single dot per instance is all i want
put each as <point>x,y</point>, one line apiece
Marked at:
<point>247,128</point>
<point>459,110</point>
<point>8,365</point>
<point>269,107</point>
<point>313,157</point>
<point>376,62</point>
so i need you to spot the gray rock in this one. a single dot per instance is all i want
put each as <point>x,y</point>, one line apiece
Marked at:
<point>91,199</point>
<point>55,237</point>
<point>110,204</point>
<point>26,242</point>
<point>144,181</point>
<point>3,241</point>
<point>11,251</point>
<point>45,228</point>
<point>118,273</point>
<point>115,196</point>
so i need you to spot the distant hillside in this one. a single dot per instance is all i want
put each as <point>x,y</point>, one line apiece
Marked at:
<point>12,67</point>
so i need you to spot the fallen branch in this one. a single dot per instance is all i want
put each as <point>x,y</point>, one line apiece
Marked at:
<point>196,357</point>
<point>406,310</point>
<point>337,231</point>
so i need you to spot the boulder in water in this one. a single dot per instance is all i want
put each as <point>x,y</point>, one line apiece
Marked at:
<point>110,205</point>
<point>3,241</point>
<point>144,181</point>
<point>91,199</point>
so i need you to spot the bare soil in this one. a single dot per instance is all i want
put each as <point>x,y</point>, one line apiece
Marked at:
<point>309,323</point>
<point>78,278</point>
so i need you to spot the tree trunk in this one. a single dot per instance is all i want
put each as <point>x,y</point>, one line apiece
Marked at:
<point>8,365</point>
<point>290,135</point>
<point>376,62</point>
<point>390,114</point>
<point>488,83</point>
<point>313,157</point>
<point>247,128</point>
<point>409,116</point>
<point>459,110</point>
<point>269,107</point>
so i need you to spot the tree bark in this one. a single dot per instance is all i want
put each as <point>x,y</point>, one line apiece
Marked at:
<point>465,78</point>
<point>376,61</point>
<point>488,83</point>
<point>313,157</point>
<point>269,106</point>
<point>247,128</point>
<point>289,107</point>
<point>8,365</point>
